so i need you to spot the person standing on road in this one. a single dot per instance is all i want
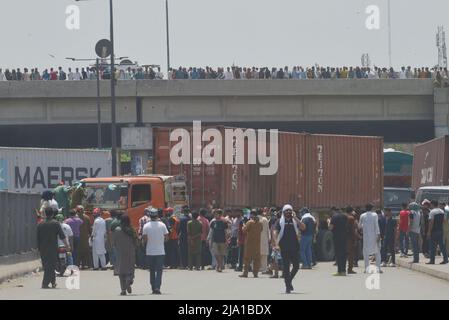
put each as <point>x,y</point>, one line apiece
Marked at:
<point>390,237</point>
<point>84,255</point>
<point>75,223</point>
<point>124,240</point>
<point>264,241</point>
<point>48,233</point>
<point>183,242</point>
<point>403,230</point>
<point>369,224</point>
<point>98,239</point>
<point>173,238</point>
<point>253,231</point>
<point>217,236</point>
<point>435,232</point>
<point>155,234</point>
<point>286,234</point>
<point>307,238</point>
<point>205,254</point>
<point>339,228</point>
<point>446,226</point>
<point>382,223</point>
<point>352,236</point>
<point>194,232</point>
<point>425,210</point>
<point>141,256</point>
<point>415,229</point>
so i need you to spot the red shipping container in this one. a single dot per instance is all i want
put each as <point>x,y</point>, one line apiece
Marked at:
<point>431,163</point>
<point>318,171</point>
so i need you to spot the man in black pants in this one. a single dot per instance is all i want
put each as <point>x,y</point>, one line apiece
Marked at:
<point>338,226</point>
<point>286,235</point>
<point>390,237</point>
<point>48,233</point>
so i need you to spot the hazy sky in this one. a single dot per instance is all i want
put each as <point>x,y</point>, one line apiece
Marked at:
<point>223,32</point>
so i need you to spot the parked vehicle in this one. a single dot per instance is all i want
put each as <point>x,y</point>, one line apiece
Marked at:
<point>397,169</point>
<point>439,193</point>
<point>132,194</point>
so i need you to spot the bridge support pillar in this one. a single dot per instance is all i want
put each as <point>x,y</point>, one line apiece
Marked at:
<point>441,111</point>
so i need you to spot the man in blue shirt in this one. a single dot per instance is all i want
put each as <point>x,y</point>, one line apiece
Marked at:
<point>307,238</point>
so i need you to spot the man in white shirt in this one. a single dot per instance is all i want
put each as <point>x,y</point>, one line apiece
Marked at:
<point>68,236</point>
<point>228,74</point>
<point>99,240</point>
<point>2,75</point>
<point>159,74</point>
<point>403,73</point>
<point>70,75</point>
<point>369,224</point>
<point>77,75</point>
<point>155,234</point>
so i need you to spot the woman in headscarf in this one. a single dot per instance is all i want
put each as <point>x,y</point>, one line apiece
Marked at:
<point>124,239</point>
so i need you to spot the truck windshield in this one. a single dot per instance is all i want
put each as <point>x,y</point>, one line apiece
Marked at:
<point>438,195</point>
<point>394,198</point>
<point>106,195</point>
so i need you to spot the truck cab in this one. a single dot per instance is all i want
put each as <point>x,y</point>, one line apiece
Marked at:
<point>441,194</point>
<point>132,194</point>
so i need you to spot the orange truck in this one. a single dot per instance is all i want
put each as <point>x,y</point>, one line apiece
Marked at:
<point>132,194</point>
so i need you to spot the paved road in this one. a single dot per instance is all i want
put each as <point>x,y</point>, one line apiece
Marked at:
<point>395,283</point>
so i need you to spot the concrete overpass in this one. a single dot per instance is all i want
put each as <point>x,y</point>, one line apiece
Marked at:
<point>63,113</point>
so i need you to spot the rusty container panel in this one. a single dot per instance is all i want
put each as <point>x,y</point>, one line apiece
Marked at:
<point>262,188</point>
<point>431,163</point>
<point>343,170</point>
<point>290,179</point>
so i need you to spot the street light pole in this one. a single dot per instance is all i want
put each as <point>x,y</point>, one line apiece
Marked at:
<point>98,104</point>
<point>113,112</point>
<point>168,37</point>
<point>389,33</point>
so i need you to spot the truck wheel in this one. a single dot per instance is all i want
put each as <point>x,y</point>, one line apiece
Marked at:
<point>325,246</point>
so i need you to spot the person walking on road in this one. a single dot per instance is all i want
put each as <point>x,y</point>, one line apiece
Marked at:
<point>155,234</point>
<point>141,256</point>
<point>194,232</point>
<point>98,239</point>
<point>369,224</point>
<point>124,240</point>
<point>435,233</point>
<point>286,234</point>
<point>339,228</point>
<point>48,233</point>
<point>253,231</point>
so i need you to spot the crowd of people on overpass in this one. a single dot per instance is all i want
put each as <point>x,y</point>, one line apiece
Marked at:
<point>248,240</point>
<point>437,74</point>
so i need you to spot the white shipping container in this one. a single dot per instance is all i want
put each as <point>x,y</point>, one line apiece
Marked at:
<point>35,170</point>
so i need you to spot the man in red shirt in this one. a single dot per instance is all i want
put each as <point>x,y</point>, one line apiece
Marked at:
<point>403,230</point>
<point>53,74</point>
